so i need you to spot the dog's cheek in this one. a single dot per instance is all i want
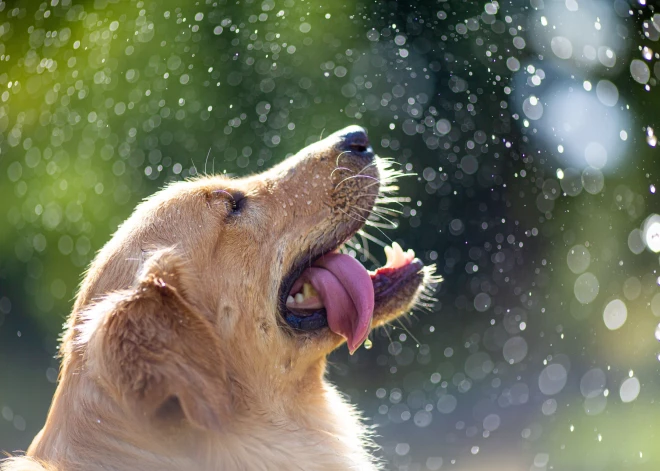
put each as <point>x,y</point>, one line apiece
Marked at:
<point>226,320</point>
<point>265,329</point>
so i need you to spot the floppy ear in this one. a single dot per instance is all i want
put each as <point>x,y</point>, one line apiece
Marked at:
<point>149,346</point>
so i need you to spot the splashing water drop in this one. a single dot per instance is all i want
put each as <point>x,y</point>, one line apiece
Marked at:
<point>647,53</point>
<point>640,71</point>
<point>615,314</point>
<point>651,233</point>
<point>629,389</point>
<point>651,138</point>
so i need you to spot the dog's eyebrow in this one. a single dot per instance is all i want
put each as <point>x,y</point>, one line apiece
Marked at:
<point>216,192</point>
<point>228,197</point>
<point>234,196</point>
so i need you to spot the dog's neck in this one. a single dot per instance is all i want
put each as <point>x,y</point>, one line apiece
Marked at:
<point>322,433</point>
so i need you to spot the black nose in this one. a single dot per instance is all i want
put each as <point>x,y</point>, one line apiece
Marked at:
<point>354,139</point>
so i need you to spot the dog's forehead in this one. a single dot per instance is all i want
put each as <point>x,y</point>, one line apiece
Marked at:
<point>295,165</point>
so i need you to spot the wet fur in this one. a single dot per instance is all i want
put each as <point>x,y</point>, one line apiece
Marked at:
<point>175,356</point>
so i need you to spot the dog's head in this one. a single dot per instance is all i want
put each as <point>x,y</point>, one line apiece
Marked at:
<point>222,287</point>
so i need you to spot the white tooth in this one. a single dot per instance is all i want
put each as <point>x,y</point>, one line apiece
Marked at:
<point>399,257</point>
<point>396,257</point>
<point>290,300</point>
<point>299,298</point>
<point>389,254</point>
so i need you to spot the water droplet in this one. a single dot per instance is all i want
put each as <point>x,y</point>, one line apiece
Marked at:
<point>647,53</point>
<point>422,418</point>
<point>630,389</point>
<point>482,302</point>
<point>651,233</point>
<point>562,47</point>
<point>491,422</point>
<point>640,71</point>
<point>586,288</point>
<point>549,407</point>
<point>532,108</point>
<point>607,93</point>
<point>447,404</point>
<point>615,314</point>
<point>593,383</point>
<point>514,350</point>
<point>593,180</point>
<point>552,379</point>
<point>651,138</point>
<point>434,463</point>
<point>578,259</point>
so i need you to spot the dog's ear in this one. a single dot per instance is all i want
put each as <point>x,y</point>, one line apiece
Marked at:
<point>150,348</point>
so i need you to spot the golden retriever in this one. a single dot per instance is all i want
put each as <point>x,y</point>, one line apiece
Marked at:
<point>199,337</point>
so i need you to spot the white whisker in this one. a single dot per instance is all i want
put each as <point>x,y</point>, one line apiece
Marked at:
<point>370,237</point>
<point>388,211</point>
<point>408,331</point>
<point>362,220</point>
<point>379,224</point>
<point>376,180</point>
<point>340,168</point>
<point>339,156</point>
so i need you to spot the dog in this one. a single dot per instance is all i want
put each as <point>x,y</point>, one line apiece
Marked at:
<point>199,336</point>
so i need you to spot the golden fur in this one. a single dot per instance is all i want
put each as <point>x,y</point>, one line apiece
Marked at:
<point>175,356</point>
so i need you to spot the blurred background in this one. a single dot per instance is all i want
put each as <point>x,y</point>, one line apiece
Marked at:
<point>530,128</point>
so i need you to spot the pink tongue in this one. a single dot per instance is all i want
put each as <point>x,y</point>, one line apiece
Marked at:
<point>347,292</point>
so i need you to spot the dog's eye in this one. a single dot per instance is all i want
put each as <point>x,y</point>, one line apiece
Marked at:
<point>237,202</point>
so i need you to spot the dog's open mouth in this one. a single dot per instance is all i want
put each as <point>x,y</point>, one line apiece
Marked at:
<point>337,292</point>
